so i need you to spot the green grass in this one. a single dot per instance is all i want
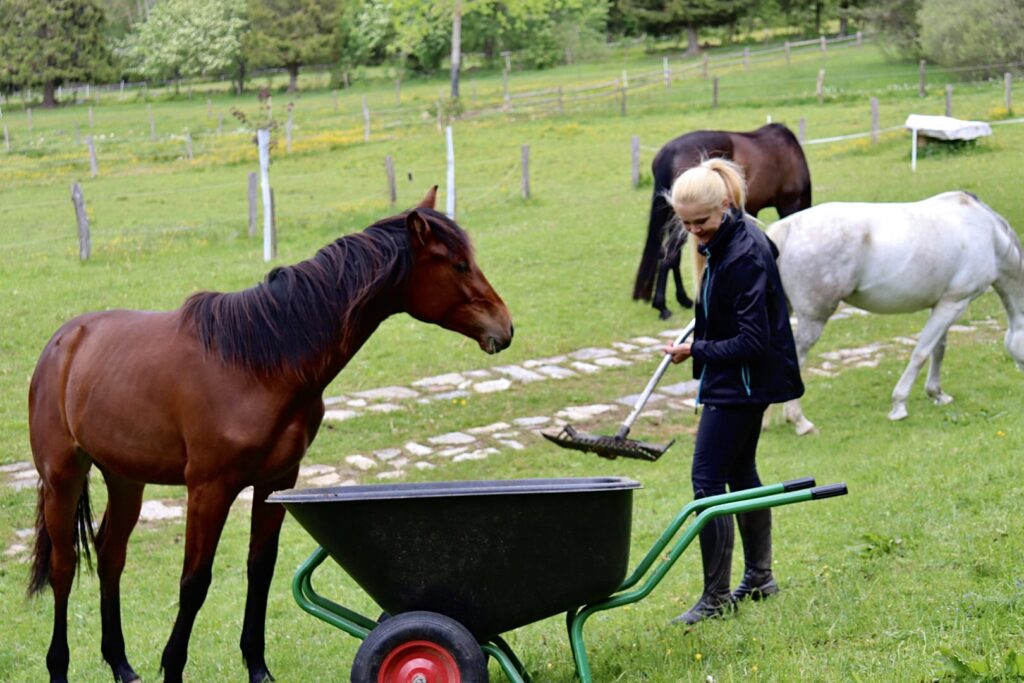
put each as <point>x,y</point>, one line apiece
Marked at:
<point>923,553</point>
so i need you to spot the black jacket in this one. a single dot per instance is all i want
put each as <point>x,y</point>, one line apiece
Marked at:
<point>743,350</point>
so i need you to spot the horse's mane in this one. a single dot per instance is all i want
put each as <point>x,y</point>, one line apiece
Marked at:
<point>1012,237</point>
<point>288,321</point>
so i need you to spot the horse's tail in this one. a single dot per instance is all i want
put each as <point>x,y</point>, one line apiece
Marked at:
<point>39,575</point>
<point>643,288</point>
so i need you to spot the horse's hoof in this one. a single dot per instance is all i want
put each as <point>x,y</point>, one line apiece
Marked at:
<point>686,303</point>
<point>942,399</point>
<point>805,427</point>
<point>665,314</point>
<point>898,413</point>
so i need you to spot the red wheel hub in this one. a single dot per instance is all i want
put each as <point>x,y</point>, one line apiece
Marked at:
<point>419,661</point>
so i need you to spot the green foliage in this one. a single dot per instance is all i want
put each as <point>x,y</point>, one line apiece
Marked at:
<point>50,43</point>
<point>875,545</point>
<point>960,668</point>
<point>291,33</point>
<point>187,38</point>
<point>896,23</point>
<point>955,33</point>
<point>666,17</point>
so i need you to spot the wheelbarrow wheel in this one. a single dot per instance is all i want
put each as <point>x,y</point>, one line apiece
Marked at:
<point>420,647</point>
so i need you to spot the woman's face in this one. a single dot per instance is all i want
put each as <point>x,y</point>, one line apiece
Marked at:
<point>700,221</point>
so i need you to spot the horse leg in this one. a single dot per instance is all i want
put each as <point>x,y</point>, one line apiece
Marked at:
<point>933,385</point>
<point>677,277</point>
<point>124,501</point>
<point>943,315</point>
<point>660,285</point>
<point>208,507</point>
<point>265,531</point>
<point>808,330</point>
<point>62,488</point>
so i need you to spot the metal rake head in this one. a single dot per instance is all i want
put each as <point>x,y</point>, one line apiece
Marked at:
<point>609,447</point>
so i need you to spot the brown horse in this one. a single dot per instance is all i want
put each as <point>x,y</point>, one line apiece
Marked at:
<point>221,394</point>
<point>776,173</point>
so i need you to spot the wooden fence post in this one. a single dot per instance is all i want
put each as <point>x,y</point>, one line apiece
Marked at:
<point>252,203</point>
<point>561,102</point>
<point>714,93</point>
<point>389,169</point>
<point>188,144</point>
<point>263,138</point>
<point>705,65</point>
<point>84,241</point>
<point>152,123</point>
<point>824,44</point>
<point>874,119</point>
<point>622,101</point>
<point>450,194</point>
<point>90,117</point>
<point>666,73</point>
<point>507,99</point>
<point>788,57</point>
<point>366,121</point>
<point>28,111</point>
<point>7,138</point>
<point>525,155</point>
<point>921,90</point>
<point>93,166</point>
<point>344,78</point>
<point>746,58</point>
<point>949,99</point>
<point>860,39</point>
<point>635,158</point>
<point>802,130</point>
<point>1008,92</point>
<point>288,131</point>
<point>821,86</point>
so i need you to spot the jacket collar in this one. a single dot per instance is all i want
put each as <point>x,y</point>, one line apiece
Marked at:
<point>732,219</point>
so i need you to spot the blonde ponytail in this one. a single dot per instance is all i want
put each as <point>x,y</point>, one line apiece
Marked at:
<point>708,184</point>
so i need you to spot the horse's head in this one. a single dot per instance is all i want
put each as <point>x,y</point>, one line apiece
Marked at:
<point>446,287</point>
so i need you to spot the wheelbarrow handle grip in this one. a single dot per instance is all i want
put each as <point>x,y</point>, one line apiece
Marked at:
<point>828,491</point>
<point>797,484</point>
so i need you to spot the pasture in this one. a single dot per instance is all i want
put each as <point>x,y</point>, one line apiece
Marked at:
<point>924,554</point>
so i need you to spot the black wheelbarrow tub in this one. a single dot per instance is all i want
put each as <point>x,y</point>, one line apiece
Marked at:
<point>493,555</point>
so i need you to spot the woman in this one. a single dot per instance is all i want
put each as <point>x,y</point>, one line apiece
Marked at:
<point>744,356</point>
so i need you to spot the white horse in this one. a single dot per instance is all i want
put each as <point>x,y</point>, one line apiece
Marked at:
<point>939,253</point>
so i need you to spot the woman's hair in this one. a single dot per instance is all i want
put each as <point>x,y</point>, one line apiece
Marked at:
<point>708,184</point>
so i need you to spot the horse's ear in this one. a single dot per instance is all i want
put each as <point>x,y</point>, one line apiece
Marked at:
<point>429,200</point>
<point>419,229</point>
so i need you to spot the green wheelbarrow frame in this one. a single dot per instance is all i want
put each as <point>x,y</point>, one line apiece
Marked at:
<point>634,588</point>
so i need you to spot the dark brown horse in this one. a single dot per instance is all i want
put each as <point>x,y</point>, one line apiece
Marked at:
<point>777,176</point>
<point>221,394</point>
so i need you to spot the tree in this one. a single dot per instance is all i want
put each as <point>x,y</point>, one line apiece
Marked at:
<point>667,17</point>
<point>188,38</point>
<point>291,33</point>
<point>955,33</point>
<point>50,43</point>
<point>896,24</point>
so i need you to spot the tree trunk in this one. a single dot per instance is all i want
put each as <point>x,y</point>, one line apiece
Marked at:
<point>692,44</point>
<point>456,47</point>
<point>817,17</point>
<point>241,77</point>
<point>293,77</point>
<point>49,95</point>
<point>844,18</point>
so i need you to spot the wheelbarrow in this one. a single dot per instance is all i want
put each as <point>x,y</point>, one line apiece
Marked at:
<point>453,565</point>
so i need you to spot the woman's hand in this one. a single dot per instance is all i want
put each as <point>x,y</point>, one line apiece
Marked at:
<point>679,353</point>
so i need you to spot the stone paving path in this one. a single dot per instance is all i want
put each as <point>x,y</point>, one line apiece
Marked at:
<point>391,461</point>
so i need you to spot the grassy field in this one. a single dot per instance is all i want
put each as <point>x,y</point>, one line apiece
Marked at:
<point>925,553</point>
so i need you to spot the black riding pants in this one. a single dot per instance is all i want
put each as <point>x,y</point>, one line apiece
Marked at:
<point>726,446</point>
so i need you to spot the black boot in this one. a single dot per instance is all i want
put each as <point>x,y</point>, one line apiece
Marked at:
<point>756,532</point>
<point>716,540</point>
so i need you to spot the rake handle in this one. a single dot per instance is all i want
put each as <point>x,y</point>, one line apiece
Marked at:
<point>649,389</point>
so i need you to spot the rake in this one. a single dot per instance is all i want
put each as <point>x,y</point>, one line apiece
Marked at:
<point>612,447</point>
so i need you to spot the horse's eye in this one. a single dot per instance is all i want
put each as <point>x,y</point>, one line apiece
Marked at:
<point>462,267</point>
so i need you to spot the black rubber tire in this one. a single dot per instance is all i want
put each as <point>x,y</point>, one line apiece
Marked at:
<point>444,633</point>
